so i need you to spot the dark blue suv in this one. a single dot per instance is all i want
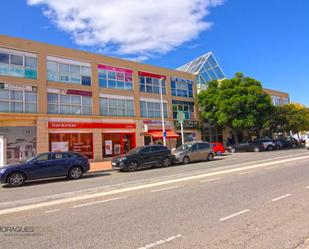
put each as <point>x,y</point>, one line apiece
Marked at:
<point>45,165</point>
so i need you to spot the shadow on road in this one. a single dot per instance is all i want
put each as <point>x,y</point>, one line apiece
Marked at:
<point>59,179</point>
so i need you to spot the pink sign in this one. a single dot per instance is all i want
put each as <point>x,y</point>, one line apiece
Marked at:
<point>115,69</point>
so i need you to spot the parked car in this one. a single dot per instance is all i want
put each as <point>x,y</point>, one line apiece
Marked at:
<point>143,157</point>
<point>289,142</point>
<point>45,165</point>
<point>254,146</point>
<point>193,151</point>
<point>218,148</point>
<point>307,143</point>
<point>270,144</point>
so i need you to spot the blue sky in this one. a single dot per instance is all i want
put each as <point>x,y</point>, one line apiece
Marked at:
<point>265,39</point>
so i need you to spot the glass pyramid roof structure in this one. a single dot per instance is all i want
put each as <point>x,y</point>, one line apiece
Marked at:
<point>206,68</point>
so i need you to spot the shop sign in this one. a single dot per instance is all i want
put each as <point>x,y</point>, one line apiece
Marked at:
<point>188,124</point>
<point>59,146</point>
<point>95,125</point>
<point>14,87</point>
<point>152,123</point>
<point>69,91</point>
<point>115,69</point>
<point>152,75</point>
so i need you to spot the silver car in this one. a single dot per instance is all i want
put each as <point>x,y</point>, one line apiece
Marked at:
<point>193,151</point>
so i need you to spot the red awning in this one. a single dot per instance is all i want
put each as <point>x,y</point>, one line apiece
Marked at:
<point>159,134</point>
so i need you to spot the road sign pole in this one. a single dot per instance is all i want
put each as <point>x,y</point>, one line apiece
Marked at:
<point>182,136</point>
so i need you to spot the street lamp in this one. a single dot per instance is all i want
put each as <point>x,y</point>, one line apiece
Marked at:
<point>162,113</point>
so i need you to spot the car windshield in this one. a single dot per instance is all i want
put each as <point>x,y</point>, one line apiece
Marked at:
<point>30,159</point>
<point>184,147</point>
<point>135,151</point>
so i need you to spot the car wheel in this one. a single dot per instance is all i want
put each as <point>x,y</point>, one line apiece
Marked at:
<point>219,153</point>
<point>233,150</point>
<point>186,160</point>
<point>293,146</point>
<point>133,166</point>
<point>256,149</point>
<point>75,172</point>
<point>270,147</point>
<point>16,179</point>
<point>166,162</point>
<point>210,157</point>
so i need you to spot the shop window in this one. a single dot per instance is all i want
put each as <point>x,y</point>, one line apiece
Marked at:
<point>75,142</point>
<point>117,143</point>
<point>15,63</point>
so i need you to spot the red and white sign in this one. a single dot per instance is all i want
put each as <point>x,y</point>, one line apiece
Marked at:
<point>84,125</point>
<point>69,91</point>
<point>152,75</point>
<point>155,123</point>
<point>115,69</point>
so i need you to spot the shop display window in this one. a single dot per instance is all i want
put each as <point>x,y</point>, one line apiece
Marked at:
<point>76,142</point>
<point>115,144</point>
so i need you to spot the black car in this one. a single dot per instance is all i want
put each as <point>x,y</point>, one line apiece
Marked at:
<point>45,165</point>
<point>254,146</point>
<point>143,157</point>
<point>289,142</point>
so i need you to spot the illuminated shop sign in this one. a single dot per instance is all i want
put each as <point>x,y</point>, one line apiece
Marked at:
<point>94,125</point>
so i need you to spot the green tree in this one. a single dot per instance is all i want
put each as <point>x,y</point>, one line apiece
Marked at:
<point>292,117</point>
<point>238,103</point>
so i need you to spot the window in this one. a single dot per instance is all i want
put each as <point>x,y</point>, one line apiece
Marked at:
<point>68,73</point>
<point>21,101</point>
<point>114,77</point>
<point>14,63</point>
<point>152,109</point>
<point>146,150</point>
<point>157,148</point>
<point>43,157</point>
<point>186,107</point>
<point>182,87</point>
<point>69,104</point>
<point>204,146</point>
<point>151,85</point>
<point>116,107</point>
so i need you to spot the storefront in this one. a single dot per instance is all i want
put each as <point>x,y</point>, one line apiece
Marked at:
<point>76,142</point>
<point>20,143</point>
<point>191,131</point>
<point>96,140</point>
<point>115,144</point>
<point>153,133</point>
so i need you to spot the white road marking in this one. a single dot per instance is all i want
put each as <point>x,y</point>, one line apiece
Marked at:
<point>51,211</point>
<point>274,167</point>
<point>211,179</point>
<point>233,215</point>
<point>149,185</point>
<point>280,197</point>
<point>247,172</point>
<point>160,242</point>
<point>98,202</point>
<point>162,189</point>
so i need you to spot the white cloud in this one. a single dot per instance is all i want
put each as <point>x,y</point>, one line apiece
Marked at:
<point>131,28</point>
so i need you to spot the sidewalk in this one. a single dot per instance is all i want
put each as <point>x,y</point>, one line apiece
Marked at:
<point>98,166</point>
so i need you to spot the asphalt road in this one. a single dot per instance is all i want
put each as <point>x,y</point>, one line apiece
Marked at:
<point>250,200</point>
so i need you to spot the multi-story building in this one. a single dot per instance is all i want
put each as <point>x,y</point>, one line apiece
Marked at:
<point>278,98</point>
<point>54,98</point>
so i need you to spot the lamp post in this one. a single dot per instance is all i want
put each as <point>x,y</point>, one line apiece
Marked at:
<point>162,113</point>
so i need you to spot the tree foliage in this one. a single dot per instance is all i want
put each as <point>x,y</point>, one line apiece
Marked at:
<point>292,117</point>
<point>238,103</point>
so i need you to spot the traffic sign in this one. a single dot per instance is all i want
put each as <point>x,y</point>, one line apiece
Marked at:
<point>180,116</point>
